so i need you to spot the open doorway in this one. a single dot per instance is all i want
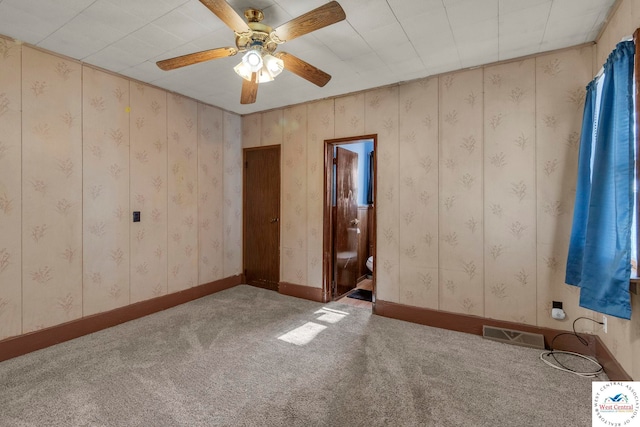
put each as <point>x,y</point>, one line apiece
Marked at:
<point>349,218</point>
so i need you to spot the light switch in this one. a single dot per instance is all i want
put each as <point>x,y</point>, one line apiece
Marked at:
<point>136,216</point>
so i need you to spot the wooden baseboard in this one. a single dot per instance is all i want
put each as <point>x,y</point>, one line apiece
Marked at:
<point>23,344</point>
<point>299,291</point>
<point>473,325</point>
<point>611,366</point>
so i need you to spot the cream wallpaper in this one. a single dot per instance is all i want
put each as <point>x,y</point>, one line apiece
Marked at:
<point>105,182</point>
<point>80,149</point>
<point>560,82</point>
<point>509,191</point>
<point>183,193</point>
<point>52,190</point>
<point>419,194</point>
<point>320,126</point>
<point>461,182</point>
<point>232,194</point>
<point>294,191</point>
<point>148,192</point>
<point>10,190</point>
<point>378,110</point>
<point>210,207</point>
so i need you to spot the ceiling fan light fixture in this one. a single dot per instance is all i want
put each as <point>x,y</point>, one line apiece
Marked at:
<point>273,65</point>
<point>253,60</point>
<point>264,76</point>
<point>243,71</point>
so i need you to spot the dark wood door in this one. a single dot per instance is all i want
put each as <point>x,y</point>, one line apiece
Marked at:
<point>262,217</point>
<point>346,229</point>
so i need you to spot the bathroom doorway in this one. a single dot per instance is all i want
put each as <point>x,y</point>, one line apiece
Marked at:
<point>349,218</point>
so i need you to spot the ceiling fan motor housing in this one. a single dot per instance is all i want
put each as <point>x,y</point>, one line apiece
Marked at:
<point>259,36</point>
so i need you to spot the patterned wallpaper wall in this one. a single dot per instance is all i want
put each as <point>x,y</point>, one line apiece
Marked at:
<point>51,191</point>
<point>106,191</point>
<point>476,173</point>
<point>89,148</point>
<point>10,190</point>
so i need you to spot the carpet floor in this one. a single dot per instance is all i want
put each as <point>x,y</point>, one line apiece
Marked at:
<point>250,357</point>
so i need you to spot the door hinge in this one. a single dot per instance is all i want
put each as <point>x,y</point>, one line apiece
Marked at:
<point>335,162</point>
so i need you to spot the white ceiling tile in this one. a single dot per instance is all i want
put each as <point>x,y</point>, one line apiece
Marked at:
<point>66,41</point>
<point>33,20</point>
<point>419,27</point>
<point>146,71</point>
<point>381,42</point>
<point>508,6</point>
<point>559,43</point>
<point>113,58</point>
<point>478,53</point>
<point>158,38</point>
<point>407,67</point>
<point>378,13</point>
<point>181,25</point>
<point>563,27</point>
<point>221,37</point>
<point>366,63</point>
<point>525,20</point>
<point>199,13</point>
<point>107,14</point>
<point>516,52</point>
<point>568,8</point>
<point>398,53</point>
<point>137,48</point>
<point>465,12</point>
<point>308,43</point>
<point>349,47</point>
<point>405,9</point>
<point>529,41</point>
<point>385,36</point>
<point>479,30</point>
<point>149,10</point>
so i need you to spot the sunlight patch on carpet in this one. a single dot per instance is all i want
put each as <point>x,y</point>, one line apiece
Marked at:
<point>330,315</point>
<point>304,334</point>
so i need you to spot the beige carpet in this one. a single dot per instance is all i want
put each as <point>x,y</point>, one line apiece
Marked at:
<point>251,357</point>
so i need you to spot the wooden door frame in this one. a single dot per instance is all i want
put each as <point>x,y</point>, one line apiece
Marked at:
<point>244,201</point>
<point>327,239</point>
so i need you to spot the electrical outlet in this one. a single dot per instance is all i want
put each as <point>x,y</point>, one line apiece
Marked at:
<point>604,324</point>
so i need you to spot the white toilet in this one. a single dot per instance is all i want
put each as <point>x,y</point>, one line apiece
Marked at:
<point>369,264</point>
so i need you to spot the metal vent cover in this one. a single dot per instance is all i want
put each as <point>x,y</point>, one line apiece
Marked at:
<point>510,336</point>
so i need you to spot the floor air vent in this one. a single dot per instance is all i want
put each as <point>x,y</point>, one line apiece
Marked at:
<point>510,336</point>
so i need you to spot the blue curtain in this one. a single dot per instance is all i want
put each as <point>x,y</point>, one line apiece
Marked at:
<point>600,248</point>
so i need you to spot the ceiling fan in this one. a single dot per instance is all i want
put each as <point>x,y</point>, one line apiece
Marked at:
<point>260,63</point>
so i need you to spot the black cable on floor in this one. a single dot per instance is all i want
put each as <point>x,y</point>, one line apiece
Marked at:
<point>583,341</point>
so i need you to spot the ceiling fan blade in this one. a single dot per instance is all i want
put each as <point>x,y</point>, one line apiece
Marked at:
<point>304,69</point>
<point>249,90</point>
<point>225,12</point>
<point>194,58</point>
<point>321,17</point>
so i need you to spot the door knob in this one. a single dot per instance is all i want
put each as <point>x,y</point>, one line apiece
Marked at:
<point>355,221</point>
<point>273,220</point>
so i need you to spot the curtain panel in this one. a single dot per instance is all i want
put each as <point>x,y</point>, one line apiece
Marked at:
<point>599,259</point>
